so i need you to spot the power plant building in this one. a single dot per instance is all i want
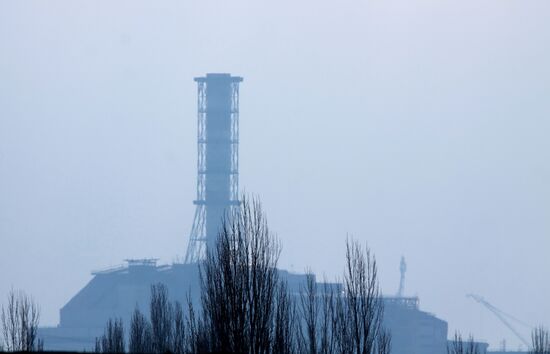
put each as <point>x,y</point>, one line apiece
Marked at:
<point>117,292</point>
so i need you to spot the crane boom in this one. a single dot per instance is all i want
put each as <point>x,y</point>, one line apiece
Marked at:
<point>501,316</point>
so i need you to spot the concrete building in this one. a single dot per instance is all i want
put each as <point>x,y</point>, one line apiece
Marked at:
<point>116,292</point>
<point>414,331</point>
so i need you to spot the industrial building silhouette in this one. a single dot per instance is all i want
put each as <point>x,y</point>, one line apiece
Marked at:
<point>116,292</point>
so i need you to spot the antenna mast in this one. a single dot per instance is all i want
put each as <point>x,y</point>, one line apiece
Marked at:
<point>402,269</point>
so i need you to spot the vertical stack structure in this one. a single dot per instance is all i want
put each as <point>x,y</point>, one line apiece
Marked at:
<point>218,159</point>
<point>402,270</point>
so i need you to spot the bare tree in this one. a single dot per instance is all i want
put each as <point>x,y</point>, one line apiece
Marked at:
<point>20,323</point>
<point>197,340</point>
<point>178,345</point>
<point>540,341</point>
<point>357,314</point>
<point>309,312</point>
<point>458,346</point>
<point>112,341</point>
<point>316,317</point>
<point>161,319</point>
<point>327,340</point>
<point>247,309</point>
<point>141,336</point>
<point>284,338</point>
<point>383,342</point>
<point>167,329</point>
<point>239,282</point>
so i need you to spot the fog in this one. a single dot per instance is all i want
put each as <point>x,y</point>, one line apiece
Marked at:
<point>419,127</point>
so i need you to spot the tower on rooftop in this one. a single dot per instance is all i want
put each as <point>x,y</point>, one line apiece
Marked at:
<point>218,159</point>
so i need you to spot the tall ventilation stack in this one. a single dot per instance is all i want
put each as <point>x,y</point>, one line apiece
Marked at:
<point>218,159</point>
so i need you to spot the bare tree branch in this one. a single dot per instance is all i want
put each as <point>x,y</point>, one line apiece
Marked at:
<point>161,319</point>
<point>141,336</point>
<point>540,341</point>
<point>239,283</point>
<point>20,323</point>
<point>112,341</point>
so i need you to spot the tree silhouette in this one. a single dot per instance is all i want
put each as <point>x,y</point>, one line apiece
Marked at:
<point>112,341</point>
<point>458,346</point>
<point>20,321</point>
<point>161,314</point>
<point>239,283</point>
<point>357,313</point>
<point>141,334</point>
<point>540,341</point>
<point>248,308</point>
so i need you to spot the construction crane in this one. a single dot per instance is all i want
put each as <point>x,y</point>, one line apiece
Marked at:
<point>502,316</point>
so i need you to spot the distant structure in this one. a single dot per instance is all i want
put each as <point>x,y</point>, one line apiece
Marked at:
<point>116,292</point>
<point>218,159</point>
<point>402,270</point>
<point>413,331</point>
<point>503,317</point>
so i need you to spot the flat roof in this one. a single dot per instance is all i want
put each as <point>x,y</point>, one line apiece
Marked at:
<point>218,76</point>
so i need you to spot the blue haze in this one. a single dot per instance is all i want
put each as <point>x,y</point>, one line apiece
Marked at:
<point>418,126</point>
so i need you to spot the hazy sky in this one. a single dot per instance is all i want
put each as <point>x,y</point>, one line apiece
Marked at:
<point>418,126</point>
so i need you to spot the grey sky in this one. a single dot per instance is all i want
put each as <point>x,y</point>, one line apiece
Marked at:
<point>418,126</point>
